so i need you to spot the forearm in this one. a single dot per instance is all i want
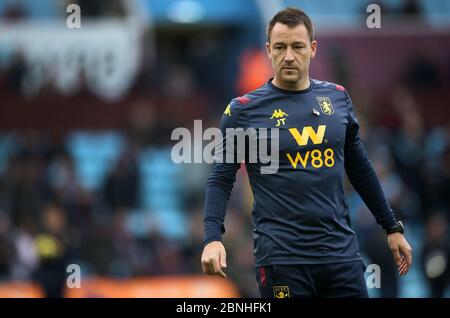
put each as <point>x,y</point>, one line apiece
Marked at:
<point>214,212</point>
<point>365,181</point>
<point>218,192</point>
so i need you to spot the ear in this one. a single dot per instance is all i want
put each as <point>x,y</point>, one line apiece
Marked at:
<point>313,48</point>
<point>268,50</point>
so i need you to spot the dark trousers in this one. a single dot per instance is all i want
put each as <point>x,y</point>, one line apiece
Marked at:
<point>345,280</point>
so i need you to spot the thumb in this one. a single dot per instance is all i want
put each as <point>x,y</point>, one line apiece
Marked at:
<point>397,257</point>
<point>223,259</point>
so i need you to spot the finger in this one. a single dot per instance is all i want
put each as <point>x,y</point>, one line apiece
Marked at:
<point>214,266</point>
<point>406,270</point>
<point>401,265</point>
<point>402,268</point>
<point>408,255</point>
<point>223,260</point>
<point>407,265</point>
<point>405,251</point>
<point>222,273</point>
<point>218,269</point>
<point>403,260</point>
<point>203,267</point>
<point>208,267</point>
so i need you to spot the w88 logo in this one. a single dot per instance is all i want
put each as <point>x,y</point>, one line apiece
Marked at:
<point>316,158</point>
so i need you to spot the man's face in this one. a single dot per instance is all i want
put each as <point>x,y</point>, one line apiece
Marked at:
<point>290,52</point>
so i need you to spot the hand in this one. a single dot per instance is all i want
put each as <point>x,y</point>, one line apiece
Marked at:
<point>402,252</point>
<point>214,258</point>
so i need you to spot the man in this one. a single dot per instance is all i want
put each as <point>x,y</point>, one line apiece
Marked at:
<point>304,244</point>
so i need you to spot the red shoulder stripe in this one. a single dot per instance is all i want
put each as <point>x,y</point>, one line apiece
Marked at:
<point>340,88</point>
<point>243,100</point>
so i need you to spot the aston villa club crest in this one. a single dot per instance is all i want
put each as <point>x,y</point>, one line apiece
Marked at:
<point>325,105</point>
<point>281,292</point>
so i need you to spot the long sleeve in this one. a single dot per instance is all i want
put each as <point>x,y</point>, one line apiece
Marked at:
<point>221,180</point>
<point>362,175</point>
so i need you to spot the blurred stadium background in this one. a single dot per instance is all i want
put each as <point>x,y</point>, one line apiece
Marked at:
<point>86,117</point>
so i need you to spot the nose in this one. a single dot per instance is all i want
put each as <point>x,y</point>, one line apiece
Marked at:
<point>289,57</point>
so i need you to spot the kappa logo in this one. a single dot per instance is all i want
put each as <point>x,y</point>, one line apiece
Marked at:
<point>281,292</point>
<point>228,110</point>
<point>325,105</point>
<point>279,115</point>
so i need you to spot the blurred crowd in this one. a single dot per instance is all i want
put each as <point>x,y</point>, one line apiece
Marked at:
<point>412,163</point>
<point>48,219</point>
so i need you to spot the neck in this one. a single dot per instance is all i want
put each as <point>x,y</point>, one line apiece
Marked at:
<point>298,86</point>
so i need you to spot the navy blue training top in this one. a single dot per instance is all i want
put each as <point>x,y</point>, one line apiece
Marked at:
<point>300,214</point>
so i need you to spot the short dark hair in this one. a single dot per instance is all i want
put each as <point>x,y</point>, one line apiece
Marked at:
<point>291,17</point>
